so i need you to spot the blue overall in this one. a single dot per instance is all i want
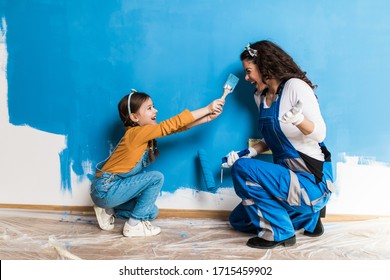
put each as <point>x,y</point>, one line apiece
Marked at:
<point>132,194</point>
<point>281,197</point>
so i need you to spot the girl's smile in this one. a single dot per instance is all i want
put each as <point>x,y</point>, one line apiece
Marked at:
<point>147,114</point>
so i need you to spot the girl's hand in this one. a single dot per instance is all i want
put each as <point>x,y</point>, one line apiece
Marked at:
<point>216,106</point>
<point>214,115</point>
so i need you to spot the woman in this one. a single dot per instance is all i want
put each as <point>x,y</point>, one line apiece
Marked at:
<point>287,195</point>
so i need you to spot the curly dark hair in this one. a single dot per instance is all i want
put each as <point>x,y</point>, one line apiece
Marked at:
<point>274,63</point>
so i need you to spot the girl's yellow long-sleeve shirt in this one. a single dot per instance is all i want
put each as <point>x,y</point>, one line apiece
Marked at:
<point>132,146</point>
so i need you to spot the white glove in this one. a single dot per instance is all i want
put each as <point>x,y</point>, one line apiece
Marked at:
<point>231,159</point>
<point>252,153</point>
<point>233,156</point>
<point>295,115</point>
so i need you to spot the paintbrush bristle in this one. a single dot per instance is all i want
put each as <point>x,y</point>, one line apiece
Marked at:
<point>231,82</point>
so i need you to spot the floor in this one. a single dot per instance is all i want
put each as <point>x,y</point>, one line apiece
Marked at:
<point>47,235</point>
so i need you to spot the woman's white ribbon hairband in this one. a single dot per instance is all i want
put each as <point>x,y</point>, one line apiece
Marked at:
<point>128,100</point>
<point>251,51</point>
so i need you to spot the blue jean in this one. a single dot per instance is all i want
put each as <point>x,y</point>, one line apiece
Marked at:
<point>132,194</point>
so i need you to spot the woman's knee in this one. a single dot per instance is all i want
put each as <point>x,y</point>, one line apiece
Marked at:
<point>239,174</point>
<point>240,167</point>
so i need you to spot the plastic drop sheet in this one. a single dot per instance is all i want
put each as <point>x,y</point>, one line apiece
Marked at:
<point>42,235</point>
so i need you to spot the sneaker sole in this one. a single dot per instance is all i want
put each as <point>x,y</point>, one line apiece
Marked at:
<point>140,235</point>
<point>286,243</point>
<point>100,222</point>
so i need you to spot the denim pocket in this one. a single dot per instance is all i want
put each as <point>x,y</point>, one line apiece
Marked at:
<point>108,182</point>
<point>103,184</point>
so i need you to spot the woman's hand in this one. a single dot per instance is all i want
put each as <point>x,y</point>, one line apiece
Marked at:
<point>295,115</point>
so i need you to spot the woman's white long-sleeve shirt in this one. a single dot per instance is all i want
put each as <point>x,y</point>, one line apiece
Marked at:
<point>294,90</point>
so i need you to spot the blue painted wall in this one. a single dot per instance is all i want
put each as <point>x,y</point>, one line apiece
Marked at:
<point>70,62</point>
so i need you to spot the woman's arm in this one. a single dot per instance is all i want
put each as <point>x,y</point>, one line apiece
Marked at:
<point>306,126</point>
<point>260,147</point>
<point>299,106</point>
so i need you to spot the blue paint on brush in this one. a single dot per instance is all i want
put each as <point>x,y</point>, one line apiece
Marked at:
<point>231,82</point>
<point>229,85</point>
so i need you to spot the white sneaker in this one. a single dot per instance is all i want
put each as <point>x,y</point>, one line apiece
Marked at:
<point>143,228</point>
<point>105,220</point>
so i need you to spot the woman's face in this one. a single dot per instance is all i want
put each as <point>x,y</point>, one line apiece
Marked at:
<point>147,114</point>
<point>253,75</point>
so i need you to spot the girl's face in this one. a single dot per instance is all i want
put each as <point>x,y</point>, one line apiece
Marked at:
<point>147,113</point>
<point>253,75</point>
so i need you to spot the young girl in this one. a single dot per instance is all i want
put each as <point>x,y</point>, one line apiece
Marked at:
<point>119,188</point>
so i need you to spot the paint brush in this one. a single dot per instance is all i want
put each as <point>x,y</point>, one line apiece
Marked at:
<point>229,85</point>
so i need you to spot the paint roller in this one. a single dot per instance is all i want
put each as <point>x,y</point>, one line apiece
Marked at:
<point>229,85</point>
<point>206,171</point>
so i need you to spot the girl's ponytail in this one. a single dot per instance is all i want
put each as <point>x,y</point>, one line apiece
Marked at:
<point>152,150</point>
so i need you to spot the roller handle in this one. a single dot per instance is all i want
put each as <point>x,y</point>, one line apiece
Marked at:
<point>240,154</point>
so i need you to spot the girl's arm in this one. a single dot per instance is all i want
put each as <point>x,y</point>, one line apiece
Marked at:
<point>178,123</point>
<point>208,113</point>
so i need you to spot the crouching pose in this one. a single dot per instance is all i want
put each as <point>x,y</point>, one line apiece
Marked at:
<point>287,195</point>
<point>121,187</point>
